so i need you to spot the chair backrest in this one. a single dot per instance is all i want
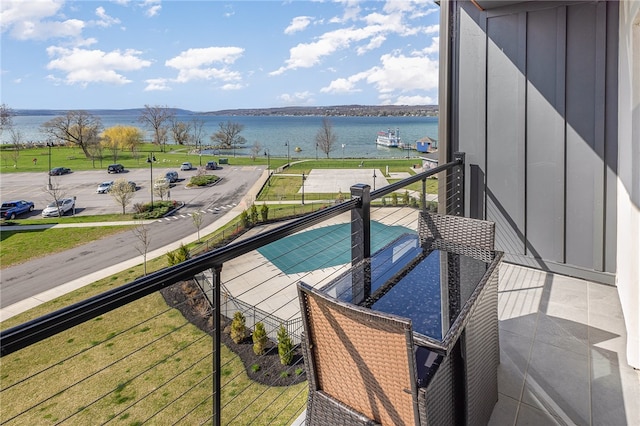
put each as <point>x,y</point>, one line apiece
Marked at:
<point>436,230</point>
<point>362,358</point>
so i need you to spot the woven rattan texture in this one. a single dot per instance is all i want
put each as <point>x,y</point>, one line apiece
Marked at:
<point>362,360</point>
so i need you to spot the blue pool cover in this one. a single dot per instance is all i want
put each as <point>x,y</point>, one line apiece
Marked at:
<point>324,247</point>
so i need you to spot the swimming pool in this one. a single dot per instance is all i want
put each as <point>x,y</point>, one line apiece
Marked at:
<point>324,247</point>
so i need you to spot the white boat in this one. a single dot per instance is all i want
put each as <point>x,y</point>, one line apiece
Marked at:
<point>390,138</point>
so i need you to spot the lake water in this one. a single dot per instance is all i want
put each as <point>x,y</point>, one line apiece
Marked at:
<point>357,134</point>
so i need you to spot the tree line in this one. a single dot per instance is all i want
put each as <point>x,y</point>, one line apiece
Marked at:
<point>84,130</point>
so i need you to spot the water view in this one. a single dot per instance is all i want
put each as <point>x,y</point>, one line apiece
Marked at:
<point>356,135</point>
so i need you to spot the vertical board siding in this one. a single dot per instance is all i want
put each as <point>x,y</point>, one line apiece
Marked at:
<point>545,134</point>
<point>544,147</point>
<point>505,132</point>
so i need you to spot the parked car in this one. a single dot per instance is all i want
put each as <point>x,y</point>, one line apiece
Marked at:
<point>171,176</point>
<point>104,187</point>
<point>11,209</point>
<point>186,166</point>
<point>57,171</point>
<point>211,165</point>
<point>65,204</point>
<point>115,168</point>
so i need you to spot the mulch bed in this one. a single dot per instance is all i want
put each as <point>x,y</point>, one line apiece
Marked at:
<point>189,300</point>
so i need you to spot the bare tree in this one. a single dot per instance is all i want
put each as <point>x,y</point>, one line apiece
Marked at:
<point>326,138</point>
<point>228,136</point>
<point>180,131</point>
<point>95,149</point>
<point>162,188</point>
<point>16,141</point>
<point>197,132</point>
<point>122,191</point>
<point>256,148</point>
<point>197,221</point>
<point>141,231</point>
<point>76,128</point>
<point>156,118</point>
<point>6,117</point>
<point>55,193</point>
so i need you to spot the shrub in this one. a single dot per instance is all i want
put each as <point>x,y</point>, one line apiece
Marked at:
<point>254,214</point>
<point>140,207</point>
<point>405,198</point>
<point>244,219</point>
<point>284,374</point>
<point>202,180</point>
<point>394,199</point>
<point>285,346</point>
<point>260,339</point>
<point>178,256</point>
<point>255,368</point>
<point>264,212</point>
<point>238,327</point>
<point>299,371</point>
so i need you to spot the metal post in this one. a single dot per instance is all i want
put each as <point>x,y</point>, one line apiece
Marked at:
<point>288,160</point>
<point>150,159</point>
<point>316,151</point>
<point>361,241</point>
<point>217,336</point>
<point>49,144</point>
<point>361,223</point>
<point>457,186</point>
<point>303,179</point>
<point>374,179</point>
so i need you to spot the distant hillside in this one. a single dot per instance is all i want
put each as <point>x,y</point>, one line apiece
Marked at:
<point>331,111</point>
<point>338,110</point>
<point>103,112</point>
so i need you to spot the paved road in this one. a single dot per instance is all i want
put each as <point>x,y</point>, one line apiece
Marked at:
<point>34,277</point>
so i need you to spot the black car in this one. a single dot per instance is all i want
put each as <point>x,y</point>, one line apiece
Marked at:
<point>211,165</point>
<point>57,171</point>
<point>115,168</point>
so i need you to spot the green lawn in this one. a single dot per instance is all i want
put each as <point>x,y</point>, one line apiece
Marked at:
<point>95,349</point>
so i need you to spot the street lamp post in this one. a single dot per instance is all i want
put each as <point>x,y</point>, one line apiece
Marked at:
<point>268,154</point>
<point>303,179</point>
<point>316,151</point>
<point>288,160</point>
<point>342,152</point>
<point>374,179</point>
<point>49,144</point>
<point>150,159</point>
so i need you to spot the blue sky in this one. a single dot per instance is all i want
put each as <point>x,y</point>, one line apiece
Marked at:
<point>210,55</point>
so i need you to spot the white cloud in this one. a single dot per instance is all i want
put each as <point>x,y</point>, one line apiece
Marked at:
<point>152,7</point>
<point>399,79</point>
<point>105,20</point>
<point>298,98</point>
<point>196,64</point>
<point>375,29</point>
<point>82,66</point>
<point>299,23</point>
<point>232,87</point>
<point>157,84</point>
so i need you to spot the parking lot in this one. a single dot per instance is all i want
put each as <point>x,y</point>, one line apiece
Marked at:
<point>83,185</point>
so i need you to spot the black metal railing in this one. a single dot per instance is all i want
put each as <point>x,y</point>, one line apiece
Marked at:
<point>35,331</point>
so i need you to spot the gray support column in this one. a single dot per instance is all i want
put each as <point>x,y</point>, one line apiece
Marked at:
<point>361,224</point>
<point>361,240</point>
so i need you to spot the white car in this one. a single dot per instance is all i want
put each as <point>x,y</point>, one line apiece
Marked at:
<point>104,187</point>
<point>186,166</point>
<point>65,204</point>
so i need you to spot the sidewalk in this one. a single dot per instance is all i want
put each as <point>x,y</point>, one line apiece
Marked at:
<point>51,294</point>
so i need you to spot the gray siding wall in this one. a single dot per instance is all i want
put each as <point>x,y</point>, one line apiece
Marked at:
<point>534,110</point>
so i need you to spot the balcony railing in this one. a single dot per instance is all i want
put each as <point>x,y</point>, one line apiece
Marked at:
<point>155,349</point>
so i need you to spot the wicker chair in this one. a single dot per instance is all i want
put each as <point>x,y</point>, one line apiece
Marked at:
<point>360,363</point>
<point>472,237</point>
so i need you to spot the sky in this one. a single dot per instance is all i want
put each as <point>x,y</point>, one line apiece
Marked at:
<point>209,55</point>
